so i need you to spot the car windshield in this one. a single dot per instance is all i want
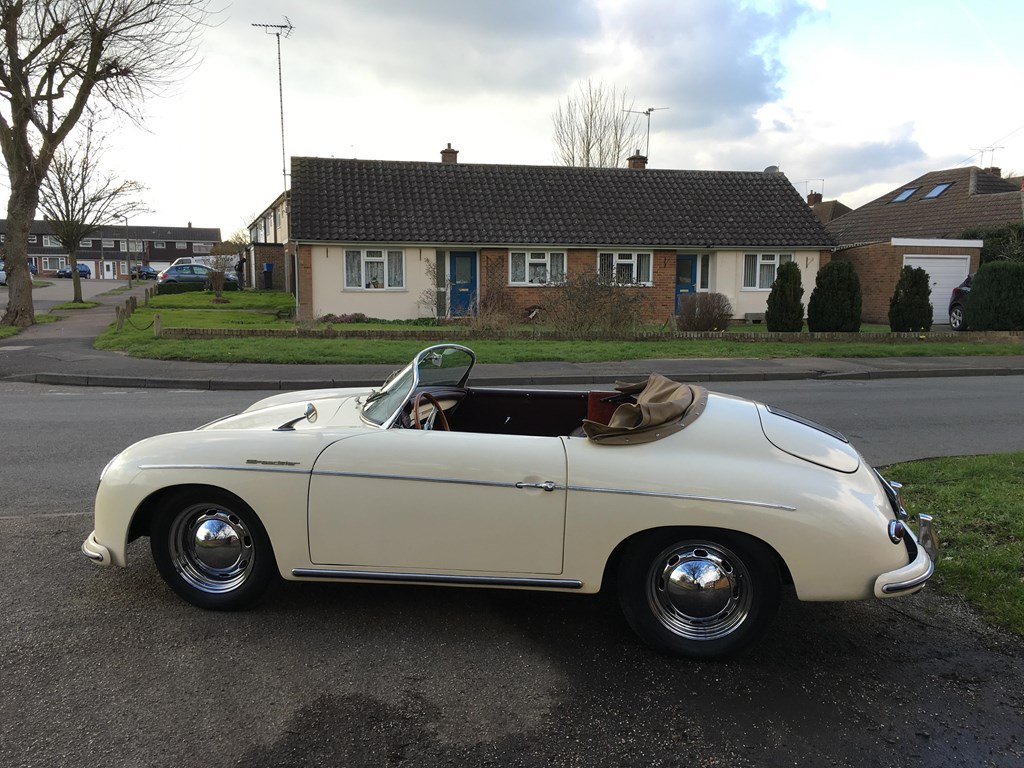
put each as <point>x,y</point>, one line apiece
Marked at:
<point>443,365</point>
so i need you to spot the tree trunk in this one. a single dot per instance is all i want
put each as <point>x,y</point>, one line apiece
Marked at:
<point>21,208</point>
<point>75,277</point>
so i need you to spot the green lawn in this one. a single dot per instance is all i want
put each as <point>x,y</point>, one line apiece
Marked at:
<point>979,514</point>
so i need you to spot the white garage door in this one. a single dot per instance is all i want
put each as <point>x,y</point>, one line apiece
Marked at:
<point>944,273</point>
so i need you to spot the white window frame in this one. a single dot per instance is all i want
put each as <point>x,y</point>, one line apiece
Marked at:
<point>85,243</point>
<point>759,267</point>
<point>640,264</point>
<point>123,267</point>
<point>372,262</point>
<point>548,267</point>
<point>159,244</point>
<point>180,246</point>
<point>48,263</point>
<point>31,238</point>
<point>703,273</point>
<point>108,244</point>
<point>202,248</point>
<point>49,241</point>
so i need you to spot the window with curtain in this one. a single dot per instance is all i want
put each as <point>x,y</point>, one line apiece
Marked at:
<point>536,267</point>
<point>625,268</point>
<point>374,269</point>
<point>759,269</point>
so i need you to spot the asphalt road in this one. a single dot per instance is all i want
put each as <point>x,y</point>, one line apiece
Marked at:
<point>107,666</point>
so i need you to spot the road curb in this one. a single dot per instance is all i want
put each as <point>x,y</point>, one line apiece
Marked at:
<point>135,382</point>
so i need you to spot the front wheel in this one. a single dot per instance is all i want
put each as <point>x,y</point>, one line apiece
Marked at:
<point>956,318</point>
<point>211,549</point>
<point>700,593</point>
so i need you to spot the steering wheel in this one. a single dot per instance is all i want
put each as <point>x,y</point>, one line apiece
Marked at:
<point>436,416</point>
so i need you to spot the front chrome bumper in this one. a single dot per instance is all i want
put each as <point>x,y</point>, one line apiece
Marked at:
<point>96,551</point>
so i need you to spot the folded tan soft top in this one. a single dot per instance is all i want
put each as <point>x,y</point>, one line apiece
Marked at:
<point>662,408</point>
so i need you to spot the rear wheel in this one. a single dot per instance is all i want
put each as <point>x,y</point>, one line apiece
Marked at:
<point>700,593</point>
<point>211,549</point>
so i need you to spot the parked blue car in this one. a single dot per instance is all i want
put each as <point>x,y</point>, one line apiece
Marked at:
<point>83,271</point>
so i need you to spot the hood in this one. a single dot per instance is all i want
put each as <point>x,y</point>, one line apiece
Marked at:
<point>807,440</point>
<point>334,408</point>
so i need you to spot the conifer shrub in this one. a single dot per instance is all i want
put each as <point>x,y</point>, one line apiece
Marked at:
<point>835,302</point>
<point>785,313</point>
<point>997,297</point>
<point>910,308</point>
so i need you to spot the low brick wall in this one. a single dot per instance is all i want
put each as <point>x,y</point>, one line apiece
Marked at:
<point>454,334</point>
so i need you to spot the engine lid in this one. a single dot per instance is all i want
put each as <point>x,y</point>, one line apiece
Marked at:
<point>808,440</point>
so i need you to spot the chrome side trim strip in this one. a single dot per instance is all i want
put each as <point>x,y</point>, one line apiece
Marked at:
<point>232,467</point>
<point>439,578</point>
<point>424,479</point>
<point>684,497</point>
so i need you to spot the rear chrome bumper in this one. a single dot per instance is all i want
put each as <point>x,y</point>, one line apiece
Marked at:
<point>923,550</point>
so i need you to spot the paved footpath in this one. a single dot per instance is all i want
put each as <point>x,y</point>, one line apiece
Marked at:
<point>62,353</point>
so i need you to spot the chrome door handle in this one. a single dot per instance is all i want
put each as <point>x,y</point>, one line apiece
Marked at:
<point>547,485</point>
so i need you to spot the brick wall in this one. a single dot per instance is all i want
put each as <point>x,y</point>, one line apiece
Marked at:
<point>306,309</point>
<point>661,296</point>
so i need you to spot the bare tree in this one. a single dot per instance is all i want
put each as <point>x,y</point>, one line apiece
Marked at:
<point>58,57</point>
<point>595,128</point>
<point>78,198</point>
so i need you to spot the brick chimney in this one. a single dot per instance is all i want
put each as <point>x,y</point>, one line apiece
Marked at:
<point>994,171</point>
<point>814,198</point>
<point>449,156</point>
<point>637,162</point>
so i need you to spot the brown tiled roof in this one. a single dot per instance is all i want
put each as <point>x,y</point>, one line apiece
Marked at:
<point>829,210</point>
<point>974,199</point>
<point>459,203</point>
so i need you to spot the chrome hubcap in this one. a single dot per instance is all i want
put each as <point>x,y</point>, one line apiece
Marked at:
<point>211,548</point>
<point>699,590</point>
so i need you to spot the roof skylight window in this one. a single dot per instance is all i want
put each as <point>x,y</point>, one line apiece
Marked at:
<point>905,194</point>
<point>937,190</point>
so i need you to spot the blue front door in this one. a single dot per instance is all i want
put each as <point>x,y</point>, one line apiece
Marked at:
<point>686,276</point>
<point>462,279</point>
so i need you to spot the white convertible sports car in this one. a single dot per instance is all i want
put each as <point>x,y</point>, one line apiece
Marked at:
<point>696,507</point>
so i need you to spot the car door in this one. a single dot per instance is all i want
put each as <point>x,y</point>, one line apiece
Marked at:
<point>397,499</point>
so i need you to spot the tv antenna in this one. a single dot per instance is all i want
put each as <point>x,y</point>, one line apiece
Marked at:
<point>990,150</point>
<point>277,30</point>
<point>647,149</point>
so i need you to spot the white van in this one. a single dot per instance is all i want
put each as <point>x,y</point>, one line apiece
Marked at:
<point>206,261</point>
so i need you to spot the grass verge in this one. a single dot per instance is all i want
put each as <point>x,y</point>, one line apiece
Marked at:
<point>73,305</point>
<point>979,514</point>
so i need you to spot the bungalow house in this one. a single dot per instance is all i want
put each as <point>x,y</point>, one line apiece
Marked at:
<point>413,239</point>
<point>920,224</point>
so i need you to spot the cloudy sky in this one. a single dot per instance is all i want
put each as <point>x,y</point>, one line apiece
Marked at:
<point>848,97</point>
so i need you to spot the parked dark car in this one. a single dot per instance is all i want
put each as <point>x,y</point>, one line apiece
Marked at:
<point>190,273</point>
<point>83,271</point>
<point>144,272</point>
<point>958,305</point>
<point>3,272</point>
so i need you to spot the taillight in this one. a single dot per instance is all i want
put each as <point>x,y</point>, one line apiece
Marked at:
<point>897,530</point>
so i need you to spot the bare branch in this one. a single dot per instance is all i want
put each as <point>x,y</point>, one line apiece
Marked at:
<point>60,59</point>
<point>594,127</point>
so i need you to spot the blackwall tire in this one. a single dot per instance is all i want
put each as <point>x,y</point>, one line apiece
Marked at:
<point>211,549</point>
<point>698,593</point>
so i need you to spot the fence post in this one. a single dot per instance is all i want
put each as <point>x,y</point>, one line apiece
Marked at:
<point>156,326</point>
<point>119,314</point>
